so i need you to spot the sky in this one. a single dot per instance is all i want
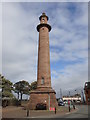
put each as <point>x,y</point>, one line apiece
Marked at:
<point>68,42</point>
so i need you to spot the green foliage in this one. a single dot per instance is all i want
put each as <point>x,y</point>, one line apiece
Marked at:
<point>15,102</point>
<point>6,87</point>
<point>33,85</point>
<point>7,94</point>
<point>7,102</point>
<point>22,87</point>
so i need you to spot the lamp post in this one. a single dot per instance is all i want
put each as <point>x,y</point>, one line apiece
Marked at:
<point>69,93</point>
<point>82,96</point>
<point>60,93</point>
<point>77,94</point>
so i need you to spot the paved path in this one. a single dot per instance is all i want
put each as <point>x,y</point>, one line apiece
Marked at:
<point>80,112</point>
<point>19,112</point>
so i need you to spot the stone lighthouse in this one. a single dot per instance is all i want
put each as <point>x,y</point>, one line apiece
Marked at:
<point>44,93</point>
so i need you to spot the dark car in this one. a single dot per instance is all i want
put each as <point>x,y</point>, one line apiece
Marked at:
<point>61,103</point>
<point>41,106</point>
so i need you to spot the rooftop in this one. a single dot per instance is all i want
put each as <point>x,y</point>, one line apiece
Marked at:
<point>43,15</point>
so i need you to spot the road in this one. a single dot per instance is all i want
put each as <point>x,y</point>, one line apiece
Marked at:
<point>81,112</point>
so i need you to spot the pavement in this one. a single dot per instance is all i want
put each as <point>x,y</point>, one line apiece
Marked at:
<point>81,111</point>
<point>19,112</point>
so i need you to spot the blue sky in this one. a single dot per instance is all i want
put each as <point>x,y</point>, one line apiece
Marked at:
<point>68,42</point>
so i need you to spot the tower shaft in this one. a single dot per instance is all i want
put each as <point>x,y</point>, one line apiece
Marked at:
<point>43,75</point>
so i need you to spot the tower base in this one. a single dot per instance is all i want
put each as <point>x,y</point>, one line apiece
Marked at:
<point>42,95</point>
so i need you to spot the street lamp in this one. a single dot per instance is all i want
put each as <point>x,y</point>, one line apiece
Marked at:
<point>60,93</point>
<point>77,94</point>
<point>83,96</point>
<point>69,93</point>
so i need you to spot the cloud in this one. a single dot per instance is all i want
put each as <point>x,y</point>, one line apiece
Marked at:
<point>68,42</point>
<point>19,43</point>
<point>73,77</point>
<point>69,38</point>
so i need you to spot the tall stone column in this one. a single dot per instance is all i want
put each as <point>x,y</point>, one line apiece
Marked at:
<point>44,93</point>
<point>43,75</point>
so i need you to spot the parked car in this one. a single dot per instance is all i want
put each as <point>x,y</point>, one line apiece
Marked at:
<point>41,106</point>
<point>61,103</point>
<point>78,101</point>
<point>66,102</point>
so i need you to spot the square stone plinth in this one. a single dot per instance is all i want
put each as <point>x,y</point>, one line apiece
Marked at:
<point>46,96</point>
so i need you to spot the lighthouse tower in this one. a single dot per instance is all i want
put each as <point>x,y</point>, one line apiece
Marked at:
<point>44,92</point>
<point>44,75</point>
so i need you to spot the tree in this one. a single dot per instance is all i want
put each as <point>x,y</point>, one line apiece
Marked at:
<point>22,87</point>
<point>6,87</point>
<point>33,85</point>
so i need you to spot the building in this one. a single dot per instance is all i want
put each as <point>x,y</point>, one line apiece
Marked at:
<point>76,98</point>
<point>44,92</point>
<point>87,92</point>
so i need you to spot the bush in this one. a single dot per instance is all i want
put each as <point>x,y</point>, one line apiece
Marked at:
<point>5,103</point>
<point>16,102</point>
<point>9,102</point>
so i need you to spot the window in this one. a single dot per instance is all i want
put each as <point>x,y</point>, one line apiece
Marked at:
<point>43,19</point>
<point>42,80</point>
<point>43,28</point>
